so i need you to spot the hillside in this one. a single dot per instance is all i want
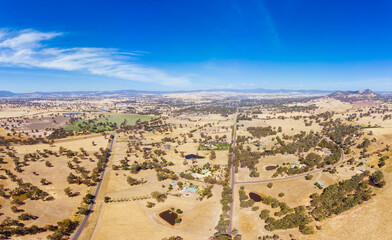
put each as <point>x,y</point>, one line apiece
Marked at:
<point>353,96</point>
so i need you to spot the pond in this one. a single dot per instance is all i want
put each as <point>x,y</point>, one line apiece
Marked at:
<point>147,149</point>
<point>193,156</point>
<point>169,216</point>
<point>255,197</point>
<point>73,113</point>
<point>269,168</point>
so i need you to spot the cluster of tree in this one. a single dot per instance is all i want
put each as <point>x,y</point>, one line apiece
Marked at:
<point>85,176</point>
<point>340,197</point>
<point>245,202</point>
<point>27,217</point>
<point>301,142</point>
<point>206,192</point>
<point>337,131</point>
<point>243,117</point>
<point>262,131</point>
<point>244,157</point>
<point>226,199</point>
<point>165,173</point>
<point>297,108</point>
<point>211,108</point>
<point>60,133</point>
<point>160,197</point>
<point>334,156</point>
<point>10,227</point>
<point>298,219</point>
<point>64,229</point>
<point>23,141</point>
<point>31,191</point>
<point>133,181</point>
<point>381,161</point>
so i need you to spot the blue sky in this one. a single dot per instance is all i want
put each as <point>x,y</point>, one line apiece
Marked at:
<point>173,45</point>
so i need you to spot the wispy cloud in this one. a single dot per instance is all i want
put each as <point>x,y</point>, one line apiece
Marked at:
<point>270,24</point>
<point>26,49</point>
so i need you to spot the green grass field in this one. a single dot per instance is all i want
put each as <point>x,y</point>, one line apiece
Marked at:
<point>106,123</point>
<point>219,146</point>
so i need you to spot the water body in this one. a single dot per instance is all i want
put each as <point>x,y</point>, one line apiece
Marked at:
<point>255,197</point>
<point>169,216</point>
<point>103,110</point>
<point>269,168</point>
<point>73,113</point>
<point>193,156</point>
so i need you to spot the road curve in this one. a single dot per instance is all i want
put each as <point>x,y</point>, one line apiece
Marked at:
<point>76,235</point>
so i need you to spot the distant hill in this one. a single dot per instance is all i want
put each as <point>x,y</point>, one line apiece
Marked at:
<point>7,94</point>
<point>361,95</point>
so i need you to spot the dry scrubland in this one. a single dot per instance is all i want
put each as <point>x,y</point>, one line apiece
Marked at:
<point>148,172</point>
<point>132,219</point>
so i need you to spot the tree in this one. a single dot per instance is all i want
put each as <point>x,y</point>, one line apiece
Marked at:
<point>83,210</point>
<point>68,191</point>
<point>160,197</point>
<point>212,155</point>
<point>26,217</point>
<point>14,209</point>
<point>132,181</point>
<point>88,198</point>
<point>264,214</point>
<point>377,179</point>
<point>173,238</point>
<point>308,177</point>
<point>44,181</point>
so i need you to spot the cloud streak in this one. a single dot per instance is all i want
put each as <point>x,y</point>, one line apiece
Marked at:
<point>270,24</point>
<point>26,49</point>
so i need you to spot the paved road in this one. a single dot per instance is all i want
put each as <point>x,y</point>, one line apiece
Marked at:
<point>82,225</point>
<point>232,175</point>
<point>295,176</point>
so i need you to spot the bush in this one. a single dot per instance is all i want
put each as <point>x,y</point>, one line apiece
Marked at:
<point>255,208</point>
<point>308,177</point>
<point>307,230</point>
<point>173,238</point>
<point>264,214</point>
<point>150,204</point>
<point>269,185</point>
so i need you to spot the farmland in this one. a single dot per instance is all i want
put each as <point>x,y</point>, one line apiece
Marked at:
<point>285,168</point>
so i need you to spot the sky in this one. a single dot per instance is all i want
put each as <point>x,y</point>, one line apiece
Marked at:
<point>189,45</point>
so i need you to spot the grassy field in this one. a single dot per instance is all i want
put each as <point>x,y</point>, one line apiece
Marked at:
<point>105,123</point>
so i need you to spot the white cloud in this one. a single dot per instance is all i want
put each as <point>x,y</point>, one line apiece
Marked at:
<point>25,49</point>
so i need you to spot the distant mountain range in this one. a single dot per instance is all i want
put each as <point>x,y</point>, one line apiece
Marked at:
<point>335,94</point>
